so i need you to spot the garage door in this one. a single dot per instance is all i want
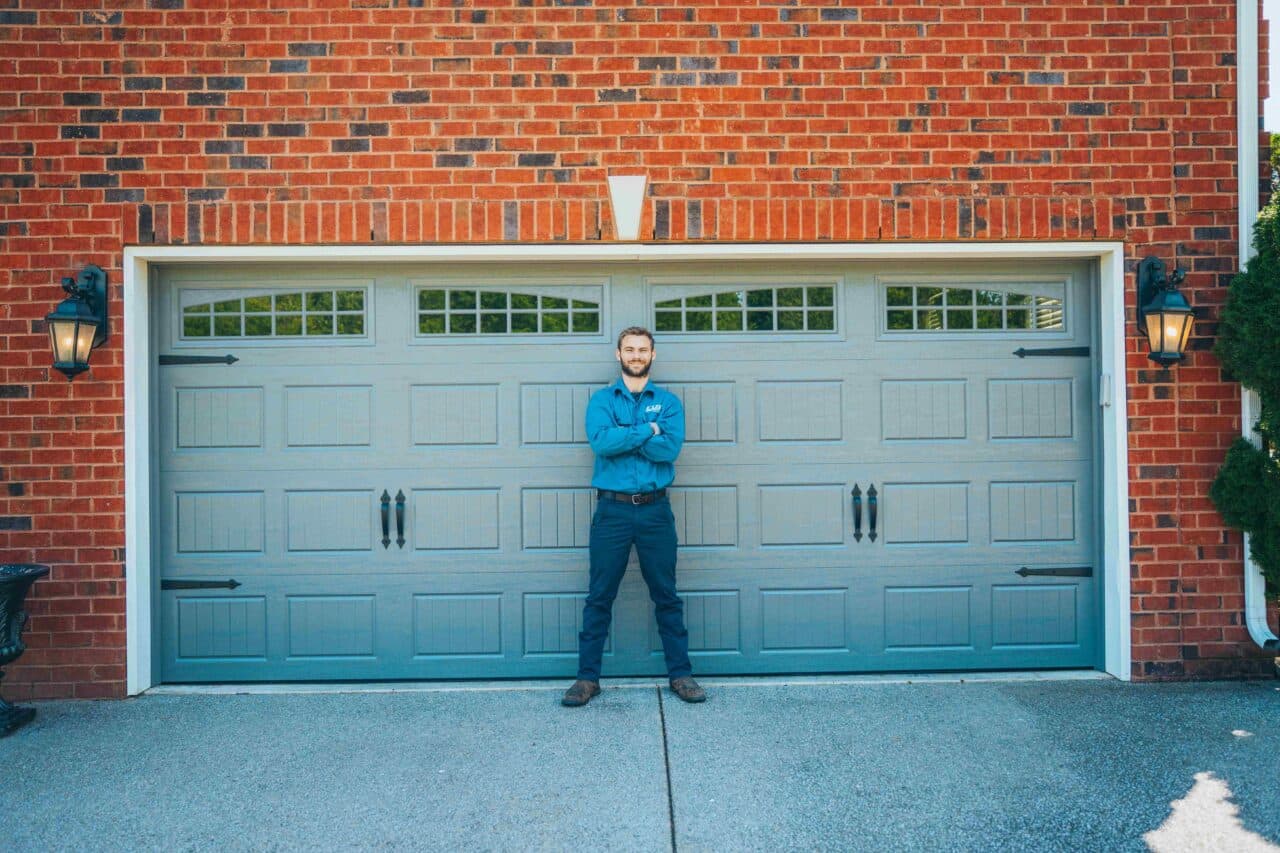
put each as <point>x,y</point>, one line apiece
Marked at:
<point>381,473</point>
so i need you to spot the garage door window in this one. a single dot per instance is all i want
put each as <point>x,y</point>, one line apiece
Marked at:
<point>327,313</point>
<point>807,308</point>
<point>491,311</point>
<point>1032,307</point>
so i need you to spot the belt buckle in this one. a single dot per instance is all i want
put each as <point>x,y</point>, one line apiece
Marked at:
<point>638,500</point>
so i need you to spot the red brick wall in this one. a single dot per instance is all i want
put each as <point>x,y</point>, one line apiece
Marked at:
<point>389,121</point>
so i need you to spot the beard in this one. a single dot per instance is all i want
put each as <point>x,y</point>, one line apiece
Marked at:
<point>637,372</point>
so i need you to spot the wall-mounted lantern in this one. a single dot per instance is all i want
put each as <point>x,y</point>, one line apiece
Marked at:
<point>79,323</point>
<point>1163,312</point>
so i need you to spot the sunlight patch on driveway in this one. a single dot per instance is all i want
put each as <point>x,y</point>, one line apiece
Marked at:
<point>1206,819</point>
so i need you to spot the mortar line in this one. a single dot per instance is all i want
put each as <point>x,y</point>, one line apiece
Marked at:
<point>666,762</point>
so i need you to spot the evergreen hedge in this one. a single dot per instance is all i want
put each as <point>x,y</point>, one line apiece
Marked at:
<point>1247,489</point>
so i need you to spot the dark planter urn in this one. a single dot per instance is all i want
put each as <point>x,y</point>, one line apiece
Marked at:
<point>15,580</point>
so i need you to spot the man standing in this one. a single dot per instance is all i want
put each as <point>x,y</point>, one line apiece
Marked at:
<point>636,430</point>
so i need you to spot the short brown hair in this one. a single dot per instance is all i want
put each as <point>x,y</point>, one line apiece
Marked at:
<point>635,330</point>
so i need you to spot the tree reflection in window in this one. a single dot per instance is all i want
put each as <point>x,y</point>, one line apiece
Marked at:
<point>929,308</point>
<point>762,309</point>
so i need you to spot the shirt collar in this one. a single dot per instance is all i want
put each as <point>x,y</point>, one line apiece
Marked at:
<point>620,386</point>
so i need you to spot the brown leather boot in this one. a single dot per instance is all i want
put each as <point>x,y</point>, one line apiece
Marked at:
<point>580,693</point>
<point>688,690</point>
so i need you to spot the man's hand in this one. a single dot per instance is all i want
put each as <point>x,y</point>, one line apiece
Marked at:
<point>657,430</point>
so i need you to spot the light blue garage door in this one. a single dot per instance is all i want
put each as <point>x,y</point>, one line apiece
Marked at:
<point>393,472</point>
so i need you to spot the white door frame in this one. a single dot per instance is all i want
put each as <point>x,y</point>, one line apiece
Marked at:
<point>142,583</point>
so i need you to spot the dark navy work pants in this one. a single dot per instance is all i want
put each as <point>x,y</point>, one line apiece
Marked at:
<point>651,528</point>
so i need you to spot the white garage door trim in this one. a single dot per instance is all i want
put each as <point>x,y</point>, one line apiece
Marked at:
<point>140,636</point>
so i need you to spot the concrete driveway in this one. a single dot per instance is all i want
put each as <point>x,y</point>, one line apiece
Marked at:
<point>1023,763</point>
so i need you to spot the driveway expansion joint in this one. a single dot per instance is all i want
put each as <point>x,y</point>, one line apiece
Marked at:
<point>666,763</point>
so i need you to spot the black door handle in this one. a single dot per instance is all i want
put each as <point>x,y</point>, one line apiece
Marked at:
<point>400,517</point>
<point>871,510</point>
<point>386,519</point>
<point>857,513</point>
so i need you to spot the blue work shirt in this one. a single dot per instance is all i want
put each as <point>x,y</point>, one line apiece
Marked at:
<point>629,457</point>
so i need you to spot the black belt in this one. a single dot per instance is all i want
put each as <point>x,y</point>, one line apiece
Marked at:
<point>634,500</point>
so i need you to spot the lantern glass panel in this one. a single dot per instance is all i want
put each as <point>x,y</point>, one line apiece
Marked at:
<point>62,336</point>
<point>1155,331</point>
<point>1185,335</point>
<point>84,341</point>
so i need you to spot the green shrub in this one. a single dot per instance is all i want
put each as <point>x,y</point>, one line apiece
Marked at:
<point>1247,489</point>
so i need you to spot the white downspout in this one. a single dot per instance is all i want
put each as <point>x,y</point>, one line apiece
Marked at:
<point>1255,599</point>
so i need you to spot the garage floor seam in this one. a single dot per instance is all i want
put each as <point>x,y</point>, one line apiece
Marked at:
<point>666,762</point>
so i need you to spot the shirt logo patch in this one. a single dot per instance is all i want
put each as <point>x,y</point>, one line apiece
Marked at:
<point>656,407</point>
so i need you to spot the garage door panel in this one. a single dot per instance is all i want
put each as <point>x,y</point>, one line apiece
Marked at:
<point>1033,511</point>
<point>219,522</point>
<point>453,414</point>
<point>801,515</point>
<point>710,411</point>
<point>329,520</point>
<point>457,625</point>
<point>330,626</point>
<point>328,415</point>
<point>455,519</point>
<point>221,627</point>
<point>1030,408</point>
<point>706,516</point>
<point>552,622</point>
<point>554,413</point>
<point>928,618</point>
<point>713,619</point>
<point>916,409</point>
<point>218,418</point>
<point>804,619</point>
<point>556,518</point>
<point>924,513</point>
<point>793,410</point>
<point>1035,615</point>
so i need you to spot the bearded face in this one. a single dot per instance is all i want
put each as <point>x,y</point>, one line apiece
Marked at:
<point>636,356</point>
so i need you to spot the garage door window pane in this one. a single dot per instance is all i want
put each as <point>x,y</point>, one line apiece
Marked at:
<point>490,311</point>
<point>729,321</point>
<point>264,315</point>
<point>350,300</point>
<point>822,321</point>
<point>257,326</point>
<point>462,323</point>
<point>195,327</point>
<point>1015,307</point>
<point>319,302</point>
<point>226,327</point>
<point>792,308</point>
